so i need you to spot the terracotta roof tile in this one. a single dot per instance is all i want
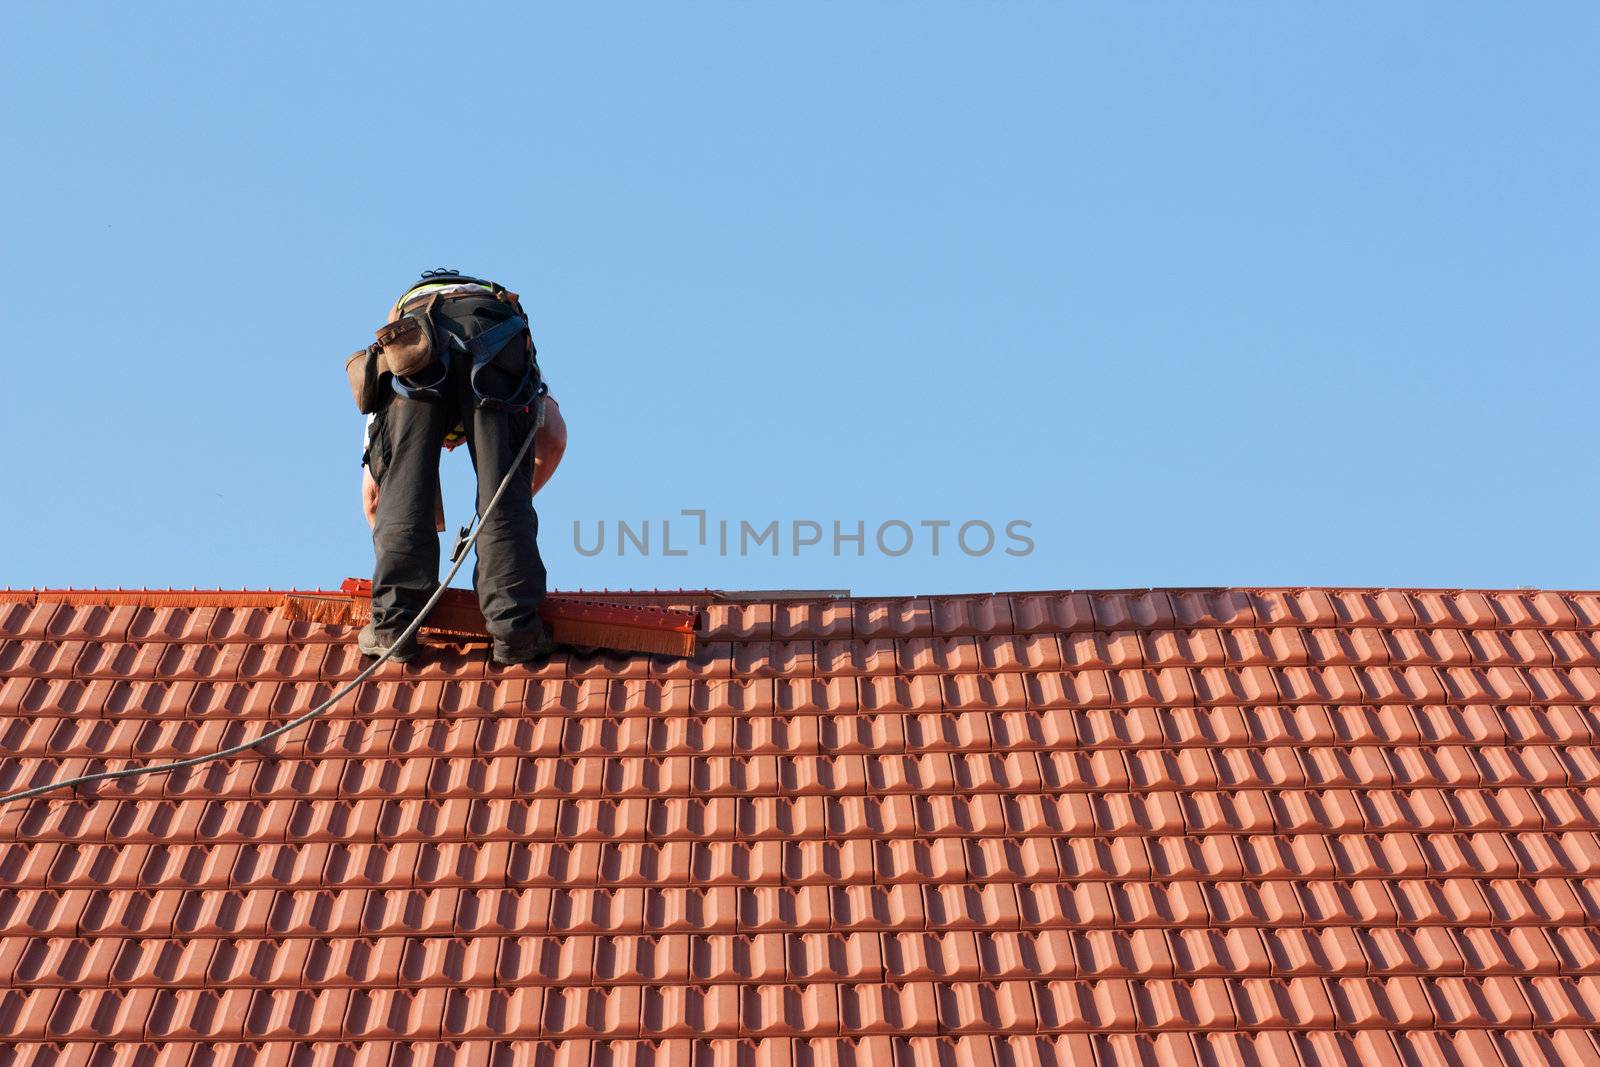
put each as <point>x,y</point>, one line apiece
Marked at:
<point>1214,826</point>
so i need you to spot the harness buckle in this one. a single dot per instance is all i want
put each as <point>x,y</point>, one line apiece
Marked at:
<point>463,539</point>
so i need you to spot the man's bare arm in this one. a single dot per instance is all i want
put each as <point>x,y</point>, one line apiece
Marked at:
<point>369,496</point>
<point>369,501</point>
<point>550,444</point>
<point>548,448</point>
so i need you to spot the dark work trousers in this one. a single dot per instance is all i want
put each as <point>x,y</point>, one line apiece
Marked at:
<point>404,455</point>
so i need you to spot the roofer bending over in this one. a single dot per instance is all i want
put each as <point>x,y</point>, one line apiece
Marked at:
<point>456,362</point>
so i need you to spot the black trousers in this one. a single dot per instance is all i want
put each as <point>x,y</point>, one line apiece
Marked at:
<point>403,455</point>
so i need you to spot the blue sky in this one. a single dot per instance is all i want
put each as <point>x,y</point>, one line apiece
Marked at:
<point>1206,294</point>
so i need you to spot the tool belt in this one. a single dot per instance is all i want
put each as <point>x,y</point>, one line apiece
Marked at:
<point>405,348</point>
<point>411,357</point>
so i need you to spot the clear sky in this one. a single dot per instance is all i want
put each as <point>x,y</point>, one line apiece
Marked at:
<point>1222,293</point>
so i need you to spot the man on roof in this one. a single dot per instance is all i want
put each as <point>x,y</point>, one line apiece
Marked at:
<point>477,381</point>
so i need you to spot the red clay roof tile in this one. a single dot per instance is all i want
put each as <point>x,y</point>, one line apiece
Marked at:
<point>1174,826</point>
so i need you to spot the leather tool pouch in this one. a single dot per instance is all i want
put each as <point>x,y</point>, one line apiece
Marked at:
<point>368,378</point>
<point>408,343</point>
<point>405,347</point>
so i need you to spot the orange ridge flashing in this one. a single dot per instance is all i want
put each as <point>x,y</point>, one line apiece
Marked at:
<point>622,627</point>
<point>608,623</point>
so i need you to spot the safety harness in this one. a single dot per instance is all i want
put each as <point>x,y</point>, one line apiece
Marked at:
<point>412,357</point>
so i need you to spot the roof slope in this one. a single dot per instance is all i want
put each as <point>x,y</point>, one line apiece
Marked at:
<point>1294,827</point>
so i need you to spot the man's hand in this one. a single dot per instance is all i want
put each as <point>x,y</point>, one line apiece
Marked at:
<point>550,444</point>
<point>369,496</point>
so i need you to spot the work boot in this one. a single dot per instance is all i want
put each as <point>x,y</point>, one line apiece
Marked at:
<point>371,644</point>
<point>529,648</point>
